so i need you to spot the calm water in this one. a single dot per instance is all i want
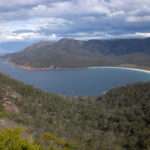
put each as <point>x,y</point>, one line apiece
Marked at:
<point>79,82</point>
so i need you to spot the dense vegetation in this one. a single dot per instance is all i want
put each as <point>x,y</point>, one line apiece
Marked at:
<point>11,139</point>
<point>75,53</point>
<point>118,120</point>
<point>20,139</point>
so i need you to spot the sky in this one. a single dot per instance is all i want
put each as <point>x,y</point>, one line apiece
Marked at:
<point>32,20</point>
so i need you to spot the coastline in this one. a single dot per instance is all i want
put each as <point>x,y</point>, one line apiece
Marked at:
<point>90,67</point>
<point>29,68</point>
<point>122,66</point>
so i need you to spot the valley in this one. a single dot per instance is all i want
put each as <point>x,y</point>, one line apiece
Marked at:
<point>74,74</point>
<point>112,120</point>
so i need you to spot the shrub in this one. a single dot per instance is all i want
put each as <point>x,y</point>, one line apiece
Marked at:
<point>11,139</point>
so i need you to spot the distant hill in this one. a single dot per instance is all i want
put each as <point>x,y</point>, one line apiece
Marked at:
<point>76,53</point>
<point>118,120</point>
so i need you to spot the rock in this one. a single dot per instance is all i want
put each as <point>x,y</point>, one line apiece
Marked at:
<point>10,107</point>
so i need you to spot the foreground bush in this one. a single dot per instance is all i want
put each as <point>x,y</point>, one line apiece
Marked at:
<point>18,139</point>
<point>11,139</point>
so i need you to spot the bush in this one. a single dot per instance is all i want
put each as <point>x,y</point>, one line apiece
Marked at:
<point>11,139</point>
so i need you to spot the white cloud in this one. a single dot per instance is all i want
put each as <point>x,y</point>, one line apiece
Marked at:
<point>17,2</point>
<point>144,35</point>
<point>11,30</point>
<point>100,18</point>
<point>138,19</point>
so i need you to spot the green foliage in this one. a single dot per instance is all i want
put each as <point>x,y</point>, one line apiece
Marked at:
<point>3,113</point>
<point>119,120</point>
<point>15,139</point>
<point>10,139</point>
<point>48,139</point>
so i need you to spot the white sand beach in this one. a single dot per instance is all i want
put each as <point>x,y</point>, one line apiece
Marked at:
<point>127,68</point>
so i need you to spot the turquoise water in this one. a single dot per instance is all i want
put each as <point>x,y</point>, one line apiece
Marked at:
<point>75,82</point>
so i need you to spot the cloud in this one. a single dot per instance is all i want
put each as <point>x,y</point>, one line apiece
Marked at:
<point>137,19</point>
<point>52,19</point>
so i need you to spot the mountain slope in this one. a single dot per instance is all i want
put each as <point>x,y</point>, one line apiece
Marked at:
<point>117,120</point>
<point>75,53</point>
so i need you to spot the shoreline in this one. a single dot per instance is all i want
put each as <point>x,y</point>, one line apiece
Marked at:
<point>122,67</point>
<point>89,67</point>
<point>127,67</point>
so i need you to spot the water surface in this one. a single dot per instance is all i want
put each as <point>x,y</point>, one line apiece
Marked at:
<point>75,82</point>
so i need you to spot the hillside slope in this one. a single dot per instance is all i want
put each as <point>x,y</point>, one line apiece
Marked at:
<point>118,120</point>
<point>76,53</point>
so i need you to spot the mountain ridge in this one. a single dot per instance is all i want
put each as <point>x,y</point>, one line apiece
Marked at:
<point>77,53</point>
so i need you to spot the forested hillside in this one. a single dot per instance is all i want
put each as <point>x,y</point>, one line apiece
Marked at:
<point>118,120</point>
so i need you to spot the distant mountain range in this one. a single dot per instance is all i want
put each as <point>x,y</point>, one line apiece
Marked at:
<point>77,53</point>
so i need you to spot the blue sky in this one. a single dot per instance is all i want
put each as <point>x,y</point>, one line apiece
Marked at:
<point>32,20</point>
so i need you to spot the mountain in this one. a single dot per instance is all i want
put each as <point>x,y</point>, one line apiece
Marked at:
<point>118,120</point>
<point>76,53</point>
